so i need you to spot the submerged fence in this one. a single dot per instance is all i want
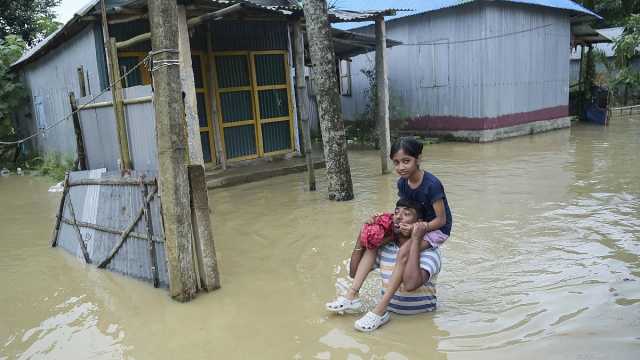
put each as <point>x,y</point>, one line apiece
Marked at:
<point>115,222</point>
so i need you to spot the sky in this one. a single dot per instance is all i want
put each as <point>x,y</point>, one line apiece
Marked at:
<point>67,8</point>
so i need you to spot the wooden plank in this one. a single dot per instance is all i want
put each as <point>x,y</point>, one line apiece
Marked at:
<point>126,232</point>
<point>59,215</point>
<point>80,150</point>
<point>149,226</point>
<point>203,230</point>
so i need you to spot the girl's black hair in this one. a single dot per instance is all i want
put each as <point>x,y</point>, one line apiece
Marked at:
<point>408,145</point>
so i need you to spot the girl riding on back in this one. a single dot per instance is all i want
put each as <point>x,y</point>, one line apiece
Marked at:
<point>415,185</point>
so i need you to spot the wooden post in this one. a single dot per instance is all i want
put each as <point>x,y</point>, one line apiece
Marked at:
<point>302,98</point>
<point>189,90</point>
<point>82,159</point>
<point>118,107</point>
<point>171,139</point>
<point>56,228</point>
<point>205,248</point>
<point>217,130</point>
<point>382,95</point>
<point>340,186</point>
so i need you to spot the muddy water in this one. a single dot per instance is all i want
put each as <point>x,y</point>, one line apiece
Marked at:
<point>543,263</point>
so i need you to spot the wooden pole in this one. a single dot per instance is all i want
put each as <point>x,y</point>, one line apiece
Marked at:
<point>340,186</point>
<point>189,90</point>
<point>382,95</point>
<point>118,107</point>
<point>56,228</point>
<point>302,98</point>
<point>217,131</point>
<point>205,248</point>
<point>171,139</point>
<point>151,246</point>
<point>82,159</point>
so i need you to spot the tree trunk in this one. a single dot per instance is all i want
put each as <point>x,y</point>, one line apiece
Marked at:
<point>325,79</point>
<point>171,140</point>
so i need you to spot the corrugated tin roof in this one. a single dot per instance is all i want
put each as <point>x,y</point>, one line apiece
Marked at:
<point>284,7</point>
<point>607,48</point>
<point>424,6</point>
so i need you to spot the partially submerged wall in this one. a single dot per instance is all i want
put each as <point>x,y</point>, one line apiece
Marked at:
<point>113,208</point>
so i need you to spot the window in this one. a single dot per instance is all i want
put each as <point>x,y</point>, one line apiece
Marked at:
<point>41,118</point>
<point>433,62</point>
<point>345,77</point>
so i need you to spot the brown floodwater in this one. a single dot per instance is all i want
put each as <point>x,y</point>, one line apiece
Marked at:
<point>543,262</point>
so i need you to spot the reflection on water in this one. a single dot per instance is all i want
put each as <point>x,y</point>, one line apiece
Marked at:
<point>543,263</point>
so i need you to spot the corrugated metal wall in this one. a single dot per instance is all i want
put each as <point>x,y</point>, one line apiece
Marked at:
<point>50,79</point>
<point>113,207</point>
<point>488,78</point>
<point>100,133</point>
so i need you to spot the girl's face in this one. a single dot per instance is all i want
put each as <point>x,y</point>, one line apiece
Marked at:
<point>405,165</point>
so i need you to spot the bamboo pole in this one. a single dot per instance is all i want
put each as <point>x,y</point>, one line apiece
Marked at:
<point>105,39</point>
<point>118,108</point>
<point>125,234</point>
<point>171,141</point>
<point>217,130</point>
<point>382,95</point>
<point>302,98</point>
<point>114,182</point>
<point>107,230</point>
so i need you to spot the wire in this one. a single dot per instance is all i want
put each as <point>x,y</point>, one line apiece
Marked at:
<point>444,42</point>
<point>66,117</point>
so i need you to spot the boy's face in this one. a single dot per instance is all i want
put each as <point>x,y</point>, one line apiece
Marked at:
<point>404,215</point>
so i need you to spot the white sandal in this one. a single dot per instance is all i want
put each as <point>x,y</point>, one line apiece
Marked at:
<point>343,305</point>
<point>371,321</point>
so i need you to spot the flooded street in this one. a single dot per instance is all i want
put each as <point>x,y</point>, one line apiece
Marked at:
<point>543,262</point>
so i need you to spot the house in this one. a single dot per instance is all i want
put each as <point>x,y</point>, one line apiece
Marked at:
<point>242,67</point>
<point>473,70</point>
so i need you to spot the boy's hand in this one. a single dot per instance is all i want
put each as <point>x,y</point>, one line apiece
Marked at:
<point>406,229</point>
<point>419,229</point>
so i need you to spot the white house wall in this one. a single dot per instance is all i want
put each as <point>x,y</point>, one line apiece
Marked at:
<point>49,80</point>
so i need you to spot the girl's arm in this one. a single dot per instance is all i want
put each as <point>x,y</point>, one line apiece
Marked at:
<point>441,217</point>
